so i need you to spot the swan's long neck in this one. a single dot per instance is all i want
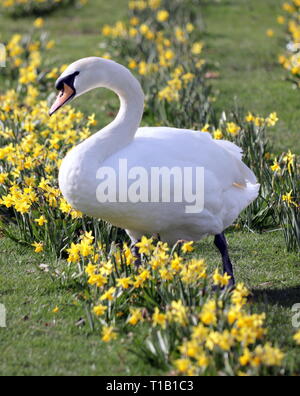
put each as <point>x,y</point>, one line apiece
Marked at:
<point>131,110</point>
<point>122,130</point>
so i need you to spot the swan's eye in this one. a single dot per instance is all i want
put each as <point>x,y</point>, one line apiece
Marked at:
<point>69,80</point>
<point>60,85</point>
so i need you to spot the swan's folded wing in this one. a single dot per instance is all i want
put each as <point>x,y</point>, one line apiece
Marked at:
<point>172,145</point>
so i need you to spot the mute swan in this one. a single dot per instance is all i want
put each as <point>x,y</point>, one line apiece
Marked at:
<point>229,185</point>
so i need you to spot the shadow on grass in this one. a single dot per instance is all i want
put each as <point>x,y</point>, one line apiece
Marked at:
<point>285,298</point>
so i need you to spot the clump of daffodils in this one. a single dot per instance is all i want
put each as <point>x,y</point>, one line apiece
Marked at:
<point>290,59</point>
<point>192,329</point>
<point>162,33</point>
<point>32,148</point>
<point>177,92</point>
<point>23,56</point>
<point>278,176</point>
<point>25,65</point>
<point>200,332</point>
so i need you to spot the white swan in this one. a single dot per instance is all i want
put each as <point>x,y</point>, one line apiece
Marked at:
<point>230,186</point>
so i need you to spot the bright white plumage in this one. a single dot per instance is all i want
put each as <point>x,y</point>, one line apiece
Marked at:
<point>230,186</point>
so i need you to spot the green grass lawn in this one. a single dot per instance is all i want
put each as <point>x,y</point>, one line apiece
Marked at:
<point>236,40</point>
<point>77,34</point>
<point>251,76</point>
<point>37,342</point>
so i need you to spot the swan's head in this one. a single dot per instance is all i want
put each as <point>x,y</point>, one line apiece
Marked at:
<point>81,77</point>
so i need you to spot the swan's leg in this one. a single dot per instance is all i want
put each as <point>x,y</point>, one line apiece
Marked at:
<point>135,237</point>
<point>136,253</point>
<point>221,244</point>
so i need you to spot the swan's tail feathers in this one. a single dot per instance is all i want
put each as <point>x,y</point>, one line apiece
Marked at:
<point>236,200</point>
<point>232,148</point>
<point>252,192</point>
<point>237,153</point>
<point>245,195</point>
<point>248,174</point>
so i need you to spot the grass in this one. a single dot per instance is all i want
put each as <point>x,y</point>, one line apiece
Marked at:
<point>37,342</point>
<point>72,30</point>
<point>236,40</point>
<point>251,76</point>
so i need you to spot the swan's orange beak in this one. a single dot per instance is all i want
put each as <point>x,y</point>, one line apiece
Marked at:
<point>64,96</point>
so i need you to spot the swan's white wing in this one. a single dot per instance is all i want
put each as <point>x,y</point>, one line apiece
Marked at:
<point>223,158</point>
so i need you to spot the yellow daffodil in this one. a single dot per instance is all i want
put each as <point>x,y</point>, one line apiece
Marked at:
<point>145,246</point>
<point>108,334</point>
<point>109,295</point>
<point>91,120</point>
<point>221,280</point>
<point>272,119</point>
<point>270,33</point>
<point>136,316</point>
<point>125,283</point>
<point>276,166</point>
<point>281,20</point>
<point>233,129</point>
<point>159,319</point>
<point>39,247</point>
<point>289,159</point>
<point>134,21</point>
<point>297,337</point>
<point>183,365</point>
<point>97,280</point>
<point>288,199</point>
<point>197,48</point>
<point>100,310</point>
<point>41,221</point>
<point>163,16</point>
<point>39,23</point>
<point>218,134</point>
<point>188,247</point>
<point>250,117</point>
